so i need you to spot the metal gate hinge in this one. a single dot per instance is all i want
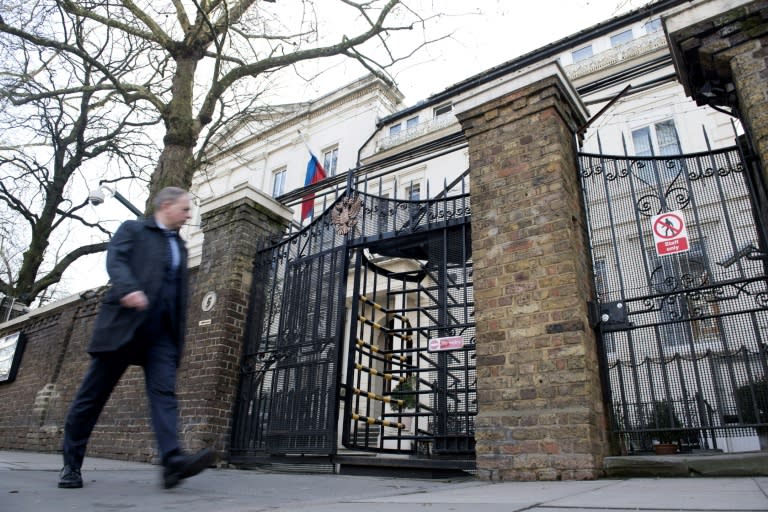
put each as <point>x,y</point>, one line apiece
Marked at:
<point>609,316</point>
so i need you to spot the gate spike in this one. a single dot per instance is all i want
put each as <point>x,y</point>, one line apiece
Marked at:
<point>706,137</point>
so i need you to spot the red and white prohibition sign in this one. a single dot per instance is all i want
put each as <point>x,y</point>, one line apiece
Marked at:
<point>670,235</point>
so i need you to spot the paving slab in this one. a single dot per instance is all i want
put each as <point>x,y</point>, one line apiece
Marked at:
<point>28,484</point>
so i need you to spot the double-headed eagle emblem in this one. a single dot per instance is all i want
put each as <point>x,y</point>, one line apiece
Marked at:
<point>344,214</point>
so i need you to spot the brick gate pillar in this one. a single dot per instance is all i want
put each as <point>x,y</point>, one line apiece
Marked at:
<point>540,411</point>
<point>720,51</point>
<point>233,225</point>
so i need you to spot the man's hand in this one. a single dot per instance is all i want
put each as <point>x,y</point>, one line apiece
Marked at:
<point>135,300</point>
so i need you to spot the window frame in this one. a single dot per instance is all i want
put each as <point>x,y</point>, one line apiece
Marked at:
<point>410,187</point>
<point>331,154</point>
<point>576,55</point>
<point>652,26</point>
<point>651,135</point>
<point>675,266</point>
<point>281,172</point>
<point>441,110</point>
<point>621,37</point>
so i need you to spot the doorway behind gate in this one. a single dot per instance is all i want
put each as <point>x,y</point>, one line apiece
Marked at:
<point>361,337</point>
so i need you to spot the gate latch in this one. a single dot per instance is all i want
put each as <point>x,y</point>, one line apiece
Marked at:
<point>610,316</point>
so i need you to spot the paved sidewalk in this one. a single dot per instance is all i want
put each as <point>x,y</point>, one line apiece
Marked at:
<point>28,484</point>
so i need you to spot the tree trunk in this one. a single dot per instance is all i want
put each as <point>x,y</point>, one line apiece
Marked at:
<point>176,165</point>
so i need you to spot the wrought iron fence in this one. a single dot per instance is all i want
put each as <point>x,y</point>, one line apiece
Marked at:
<point>683,329</point>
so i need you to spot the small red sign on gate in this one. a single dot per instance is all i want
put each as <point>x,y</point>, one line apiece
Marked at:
<point>447,343</point>
<point>670,235</point>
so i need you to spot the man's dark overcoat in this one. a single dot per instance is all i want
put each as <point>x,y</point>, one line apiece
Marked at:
<point>137,259</point>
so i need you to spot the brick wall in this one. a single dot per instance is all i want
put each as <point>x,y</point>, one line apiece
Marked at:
<point>211,373</point>
<point>747,42</point>
<point>539,398</point>
<point>33,407</point>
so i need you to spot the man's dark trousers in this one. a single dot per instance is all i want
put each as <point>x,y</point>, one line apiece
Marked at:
<point>154,349</point>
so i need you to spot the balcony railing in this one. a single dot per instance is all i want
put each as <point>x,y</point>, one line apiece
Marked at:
<point>414,132</point>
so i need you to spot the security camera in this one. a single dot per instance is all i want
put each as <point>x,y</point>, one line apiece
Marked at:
<point>96,197</point>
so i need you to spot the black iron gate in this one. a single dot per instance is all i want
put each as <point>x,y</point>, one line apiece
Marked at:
<point>382,288</point>
<point>682,298</point>
<point>288,390</point>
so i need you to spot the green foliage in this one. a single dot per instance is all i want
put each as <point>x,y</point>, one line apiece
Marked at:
<point>406,391</point>
<point>662,417</point>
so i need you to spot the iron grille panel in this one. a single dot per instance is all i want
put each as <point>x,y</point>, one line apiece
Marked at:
<point>691,337</point>
<point>412,288</point>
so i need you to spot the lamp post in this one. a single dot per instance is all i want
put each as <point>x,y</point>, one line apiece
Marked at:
<point>96,197</point>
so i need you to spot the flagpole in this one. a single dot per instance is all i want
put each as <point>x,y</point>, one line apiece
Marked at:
<point>304,140</point>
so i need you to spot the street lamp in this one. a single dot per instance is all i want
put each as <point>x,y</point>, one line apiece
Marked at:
<point>96,197</point>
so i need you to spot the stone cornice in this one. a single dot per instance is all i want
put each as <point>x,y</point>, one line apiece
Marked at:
<point>615,56</point>
<point>312,111</point>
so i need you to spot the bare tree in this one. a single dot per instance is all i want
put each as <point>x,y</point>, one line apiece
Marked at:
<point>57,118</point>
<point>208,56</point>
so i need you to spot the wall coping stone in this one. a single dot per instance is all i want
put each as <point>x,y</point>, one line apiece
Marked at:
<point>246,191</point>
<point>699,12</point>
<point>47,308</point>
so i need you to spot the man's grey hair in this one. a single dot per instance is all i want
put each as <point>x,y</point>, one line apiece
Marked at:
<point>168,194</point>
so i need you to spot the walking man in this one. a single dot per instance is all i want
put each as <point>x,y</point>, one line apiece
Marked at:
<point>141,321</point>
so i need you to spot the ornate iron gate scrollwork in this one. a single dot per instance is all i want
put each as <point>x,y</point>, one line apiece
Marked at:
<point>684,336</point>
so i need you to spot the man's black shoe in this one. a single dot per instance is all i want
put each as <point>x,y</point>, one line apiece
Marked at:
<point>70,478</point>
<point>179,467</point>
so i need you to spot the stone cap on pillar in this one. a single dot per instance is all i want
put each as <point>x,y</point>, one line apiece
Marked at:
<point>697,34</point>
<point>520,79</point>
<point>245,191</point>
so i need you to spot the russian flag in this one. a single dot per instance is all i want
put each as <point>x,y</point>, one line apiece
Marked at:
<point>315,173</point>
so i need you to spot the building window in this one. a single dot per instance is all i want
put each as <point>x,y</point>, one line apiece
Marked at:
<point>278,182</point>
<point>653,26</point>
<point>686,271</point>
<point>394,130</point>
<point>330,160</point>
<point>443,109</point>
<point>657,139</point>
<point>413,192</point>
<point>581,53</point>
<point>410,123</point>
<point>621,38</point>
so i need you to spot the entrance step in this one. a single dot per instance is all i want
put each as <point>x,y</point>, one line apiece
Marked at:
<point>403,467</point>
<point>688,464</point>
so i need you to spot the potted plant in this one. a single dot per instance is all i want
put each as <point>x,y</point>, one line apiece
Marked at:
<point>406,391</point>
<point>663,425</point>
<point>752,401</point>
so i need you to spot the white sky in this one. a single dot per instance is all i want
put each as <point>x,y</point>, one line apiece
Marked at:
<point>486,33</point>
<point>499,31</point>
